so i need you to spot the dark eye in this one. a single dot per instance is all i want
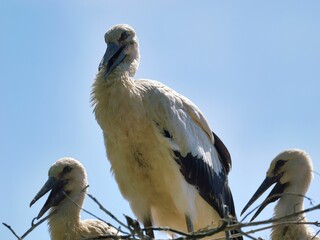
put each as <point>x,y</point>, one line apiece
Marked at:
<point>278,165</point>
<point>66,169</point>
<point>123,36</point>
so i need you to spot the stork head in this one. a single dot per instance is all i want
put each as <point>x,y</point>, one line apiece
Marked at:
<point>291,172</point>
<point>122,52</point>
<point>67,179</point>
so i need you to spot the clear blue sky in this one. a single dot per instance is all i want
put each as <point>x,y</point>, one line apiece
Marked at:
<point>252,67</point>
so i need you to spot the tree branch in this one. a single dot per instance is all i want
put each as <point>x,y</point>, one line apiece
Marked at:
<point>107,212</point>
<point>33,226</point>
<point>138,233</point>
<point>13,232</point>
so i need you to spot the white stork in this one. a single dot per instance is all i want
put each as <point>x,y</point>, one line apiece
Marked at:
<point>291,172</point>
<point>67,182</point>
<point>168,164</point>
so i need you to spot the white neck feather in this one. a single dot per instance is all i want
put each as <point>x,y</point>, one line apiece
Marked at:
<point>289,204</point>
<point>65,223</point>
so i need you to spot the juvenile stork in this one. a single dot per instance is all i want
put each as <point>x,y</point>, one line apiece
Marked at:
<point>67,182</point>
<point>168,164</point>
<point>291,172</point>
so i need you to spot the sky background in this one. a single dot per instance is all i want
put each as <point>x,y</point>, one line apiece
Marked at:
<point>252,67</point>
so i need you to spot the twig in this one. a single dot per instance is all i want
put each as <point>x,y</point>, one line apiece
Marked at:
<point>107,212</point>
<point>247,235</point>
<point>135,228</point>
<point>278,224</point>
<point>199,234</point>
<point>91,214</point>
<point>138,233</point>
<point>109,237</point>
<point>315,235</point>
<point>33,226</point>
<point>13,232</point>
<point>315,172</point>
<point>272,220</point>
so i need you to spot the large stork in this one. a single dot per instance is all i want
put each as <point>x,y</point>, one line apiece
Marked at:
<point>68,184</point>
<point>167,162</point>
<point>291,172</point>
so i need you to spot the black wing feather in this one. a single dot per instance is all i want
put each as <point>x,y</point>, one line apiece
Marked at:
<point>199,174</point>
<point>224,154</point>
<point>213,187</point>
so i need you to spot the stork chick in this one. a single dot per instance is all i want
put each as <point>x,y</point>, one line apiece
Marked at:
<point>291,172</point>
<point>67,182</point>
<point>167,162</point>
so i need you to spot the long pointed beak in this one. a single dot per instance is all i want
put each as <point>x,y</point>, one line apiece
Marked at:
<point>113,56</point>
<point>273,195</point>
<point>57,194</point>
<point>46,188</point>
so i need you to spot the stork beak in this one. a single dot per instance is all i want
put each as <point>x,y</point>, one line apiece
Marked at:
<point>274,195</point>
<point>113,56</point>
<point>57,194</point>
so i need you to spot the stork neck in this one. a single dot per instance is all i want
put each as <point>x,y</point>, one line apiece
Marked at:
<point>64,223</point>
<point>123,72</point>
<point>115,81</point>
<point>289,204</point>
